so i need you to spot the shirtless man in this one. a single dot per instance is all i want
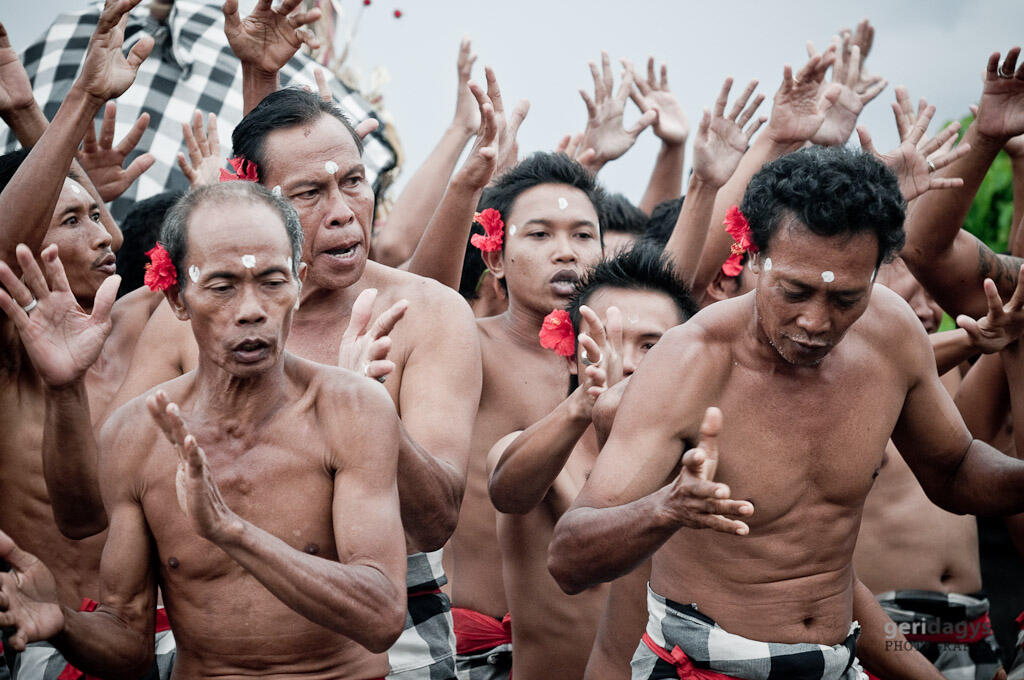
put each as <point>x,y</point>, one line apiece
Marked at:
<point>777,567</point>
<point>537,473</point>
<point>303,148</point>
<point>549,208</point>
<point>294,450</point>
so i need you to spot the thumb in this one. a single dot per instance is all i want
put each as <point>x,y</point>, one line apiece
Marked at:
<point>231,18</point>
<point>645,121</point>
<point>15,556</point>
<point>366,127</point>
<point>829,98</point>
<point>865,140</point>
<point>140,51</point>
<point>710,429</point>
<point>104,299</point>
<point>968,324</point>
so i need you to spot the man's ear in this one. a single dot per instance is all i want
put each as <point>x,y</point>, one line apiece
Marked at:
<point>303,270</point>
<point>177,302</point>
<point>495,262</point>
<point>722,287</point>
<point>571,361</point>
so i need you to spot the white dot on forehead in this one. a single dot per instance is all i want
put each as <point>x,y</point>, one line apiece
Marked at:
<point>562,203</point>
<point>331,167</point>
<point>767,264</point>
<point>289,263</point>
<point>75,189</point>
<point>276,190</point>
<point>827,276</point>
<point>193,273</point>
<point>512,230</point>
<point>248,261</point>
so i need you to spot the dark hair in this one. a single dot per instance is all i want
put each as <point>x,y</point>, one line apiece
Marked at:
<point>833,191</point>
<point>141,229</point>
<point>9,164</point>
<point>473,267</point>
<point>642,267</point>
<point>541,168</point>
<point>174,234</point>
<point>662,221</point>
<point>280,110</point>
<point>619,215</point>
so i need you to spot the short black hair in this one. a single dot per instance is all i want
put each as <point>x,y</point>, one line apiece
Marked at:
<point>642,267</point>
<point>9,164</point>
<point>174,234</point>
<point>662,222</point>
<point>620,215</point>
<point>473,267</point>
<point>541,168</point>
<point>833,191</point>
<point>279,110</point>
<point>141,229</point>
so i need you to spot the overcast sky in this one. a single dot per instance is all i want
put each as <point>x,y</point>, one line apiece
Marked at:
<point>540,50</point>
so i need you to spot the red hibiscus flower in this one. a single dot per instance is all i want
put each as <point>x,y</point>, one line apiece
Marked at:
<point>244,170</point>
<point>556,333</point>
<point>494,229</point>
<point>160,272</point>
<point>737,226</point>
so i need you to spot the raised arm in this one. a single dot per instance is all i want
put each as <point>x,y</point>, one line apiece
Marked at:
<point>362,595</point>
<point>671,127</point>
<point>62,342</point>
<point>950,262</point>
<point>628,509</point>
<point>717,150</point>
<point>439,253</point>
<point>103,162</point>
<point>27,202</point>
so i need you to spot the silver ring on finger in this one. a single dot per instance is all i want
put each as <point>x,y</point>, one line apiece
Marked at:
<point>931,166</point>
<point>1003,74</point>
<point>30,306</point>
<point>585,359</point>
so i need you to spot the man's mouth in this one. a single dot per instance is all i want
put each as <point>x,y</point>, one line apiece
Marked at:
<point>106,263</point>
<point>251,350</point>
<point>343,254</point>
<point>563,283</point>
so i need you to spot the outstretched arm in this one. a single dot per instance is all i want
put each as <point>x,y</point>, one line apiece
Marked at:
<point>671,127</point>
<point>28,201</point>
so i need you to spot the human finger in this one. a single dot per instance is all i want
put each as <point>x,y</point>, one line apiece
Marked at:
<point>723,98</point>
<point>865,140</point>
<point>106,138</point>
<point>31,273</point>
<point>607,79</point>
<point>594,324</point>
<point>959,151</point>
<point>710,429</point>
<point>728,526</point>
<point>386,322</point>
<point>366,127</point>
<point>944,135</point>
<point>599,93</point>
<point>741,102</point>
<point>749,112</point>
<point>56,277</point>
<point>133,136</point>
<point>754,127</point>
<point>321,85</point>
<point>359,318</point>
<point>591,106</point>
<point>15,287</point>
<point>494,91</point>
<point>643,122</point>
<point>590,351</point>
<point>89,140</point>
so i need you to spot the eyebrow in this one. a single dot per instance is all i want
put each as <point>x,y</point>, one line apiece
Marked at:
<point>548,223</point>
<point>833,292</point>
<point>320,179</point>
<point>276,269</point>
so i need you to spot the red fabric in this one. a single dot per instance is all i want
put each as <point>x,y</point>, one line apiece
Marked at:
<point>684,667</point>
<point>475,631</point>
<point>88,605</point>
<point>981,627</point>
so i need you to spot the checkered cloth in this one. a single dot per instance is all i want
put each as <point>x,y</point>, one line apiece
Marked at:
<point>191,67</point>
<point>426,648</point>
<point>41,661</point>
<point>1017,671</point>
<point>952,631</point>
<point>483,645</point>
<point>673,628</point>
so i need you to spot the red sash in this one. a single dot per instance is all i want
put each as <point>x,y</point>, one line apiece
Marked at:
<point>684,667</point>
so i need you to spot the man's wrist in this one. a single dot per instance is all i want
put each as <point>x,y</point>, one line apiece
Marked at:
<point>28,123</point>
<point>79,95</point>
<point>72,388</point>
<point>665,515</point>
<point>231,531</point>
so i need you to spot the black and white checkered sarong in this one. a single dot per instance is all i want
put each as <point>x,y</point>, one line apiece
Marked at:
<point>426,648</point>
<point>672,626</point>
<point>191,67</point>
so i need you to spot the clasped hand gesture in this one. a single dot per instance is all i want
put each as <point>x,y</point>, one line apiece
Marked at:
<point>268,38</point>
<point>61,340</point>
<point>721,141</point>
<point>695,500</point>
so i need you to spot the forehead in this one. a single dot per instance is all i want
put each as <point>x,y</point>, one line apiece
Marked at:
<point>226,230</point>
<point>642,310</point>
<point>304,149</point>
<point>798,253</point>
<point>73,196</point>
<point>542,203</point>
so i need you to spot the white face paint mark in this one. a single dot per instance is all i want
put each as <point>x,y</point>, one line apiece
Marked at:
<point>331,167</point>
<point>289,264</point>
<point>248,261</point>
<point>193,273</point>
<point>767,264</point>
<point>634,320</point>
<point>873,275</point>
<point>75,189</point>
<point>276,190</point>
<point>827,276</point>
<point>562,203</point>
<point>511,230</point>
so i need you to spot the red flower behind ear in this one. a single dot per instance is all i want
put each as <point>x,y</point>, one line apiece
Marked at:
<point>244,170</point>
<point>736,224</point>
<point>557,333</point>
<point>160,272</point>
<point>494,228</point>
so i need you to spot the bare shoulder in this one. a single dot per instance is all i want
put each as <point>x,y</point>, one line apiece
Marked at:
<point>422,293</point>
<point>891,329</point>
<point>344,402</point>
<point>136,307</point>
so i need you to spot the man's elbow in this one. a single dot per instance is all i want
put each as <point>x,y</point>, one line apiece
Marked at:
<point>505,500</point>
<point>562,569</point>
<point>389,621</point>
<point>79,525</point>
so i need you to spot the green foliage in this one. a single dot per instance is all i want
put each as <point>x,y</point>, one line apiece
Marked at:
<point>991,213</point>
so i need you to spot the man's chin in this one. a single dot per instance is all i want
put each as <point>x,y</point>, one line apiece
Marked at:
<point>332,276</point>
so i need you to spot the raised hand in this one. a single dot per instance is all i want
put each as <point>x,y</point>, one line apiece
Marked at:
<point>266,39</point>
<point>841,118</point>
<point>605,133</point>
<point>671,125</point>
<point>606,336</point>
<point>104,162</point>
<point>467,115</point>
<point>28,597</point>
<point>695,500</point>
<point>364,348</point>
<point>721,141</point>
<point>863,38</point>
<point>1002,325</point>
<point>198,495</point>
<point>801,103</point>
<point>507,127</point>
<point>61,340</point>
<point>204,162</point>
<point>106,71</point>
<point>1001,110</point>
<point>570,146</point>
<point>15,87</point>
<point>913,161</point>
<point>482,160</point>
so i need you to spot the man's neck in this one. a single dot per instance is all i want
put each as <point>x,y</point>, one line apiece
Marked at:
<point>522,325</point>
<point>319,303</point>
<point>222,396</point>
